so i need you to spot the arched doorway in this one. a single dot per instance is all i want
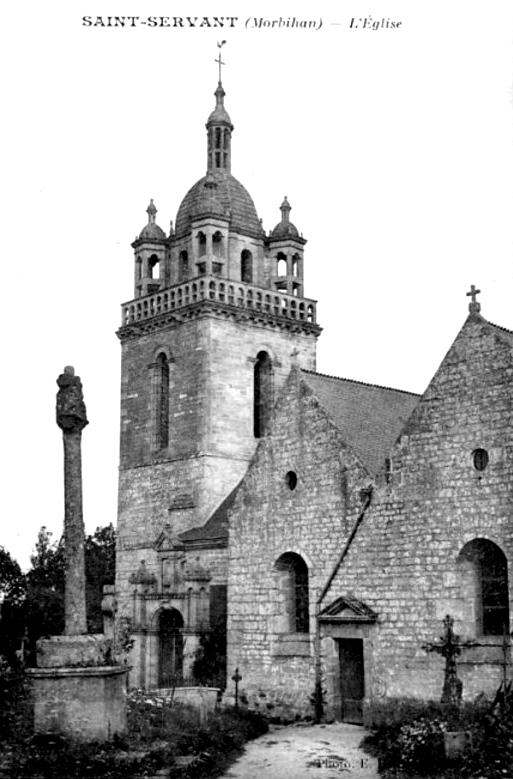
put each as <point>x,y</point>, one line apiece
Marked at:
<point>170,632</point>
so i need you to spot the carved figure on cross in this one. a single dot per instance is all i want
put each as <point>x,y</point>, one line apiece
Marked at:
<point>219,60</point>
<point>474,307</point>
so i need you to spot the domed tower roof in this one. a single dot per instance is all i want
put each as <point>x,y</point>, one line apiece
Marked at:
<point>285,228</point>
<point>221,195</point>
<point>151,231</point>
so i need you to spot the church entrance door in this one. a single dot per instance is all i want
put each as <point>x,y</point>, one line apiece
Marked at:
<point>352,680</point>
<point>170,648</point>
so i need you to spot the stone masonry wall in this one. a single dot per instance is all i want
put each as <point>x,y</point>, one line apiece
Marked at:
<point>211,386</point>
<point>403,562</point>
<point>269,519</point>
<point>211,428</point>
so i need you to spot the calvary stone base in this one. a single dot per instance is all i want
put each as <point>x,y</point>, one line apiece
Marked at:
<point>78,689</point>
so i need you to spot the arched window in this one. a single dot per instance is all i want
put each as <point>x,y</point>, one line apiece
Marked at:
<point>294,585</point>
<point>281,265</point>
<point>296,259</point>
<point>152,262</point>
<point>202,244</point>
<point>484,578</point>
<point>217,244</point>
<point>162,401</point>
<point>183,269</point>
<point>226,146</point>
<point>246,267</point>
<point>170,635</point>
<point>218,143</point>
<point>262,393</point>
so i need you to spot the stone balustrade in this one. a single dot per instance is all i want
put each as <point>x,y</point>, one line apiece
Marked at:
<point>222,291</point>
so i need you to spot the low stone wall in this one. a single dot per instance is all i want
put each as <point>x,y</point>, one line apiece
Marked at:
<point>204,699</point>
<point>279,704</point>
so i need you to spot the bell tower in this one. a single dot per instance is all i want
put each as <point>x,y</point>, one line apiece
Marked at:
<point>207,341</point>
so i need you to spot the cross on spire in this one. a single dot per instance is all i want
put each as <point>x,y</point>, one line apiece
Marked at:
<point>219,60</point>
<point>474,307</point>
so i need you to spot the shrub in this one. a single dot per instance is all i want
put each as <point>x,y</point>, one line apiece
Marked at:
<point>493,741</point>
<point>15,705</point>
<point>407,737</point>
<point>408,733</point>
<point>210,662</point>
<point>421,745</point>
<point>160,735</point>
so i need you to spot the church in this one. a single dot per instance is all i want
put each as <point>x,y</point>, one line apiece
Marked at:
<point>328,526</point>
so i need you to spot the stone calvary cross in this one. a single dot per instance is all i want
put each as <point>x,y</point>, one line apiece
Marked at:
<point>78,685</point>
<point>72,418</point>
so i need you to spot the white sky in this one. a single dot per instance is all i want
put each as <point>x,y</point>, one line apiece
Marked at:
<point>394,147</point>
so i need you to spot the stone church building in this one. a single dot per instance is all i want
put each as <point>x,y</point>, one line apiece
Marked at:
<point>331,525</point>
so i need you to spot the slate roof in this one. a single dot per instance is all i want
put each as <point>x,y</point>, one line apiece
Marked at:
<point>285,230</point>
<point>152,231</point>
<point>369,417</point>
<point>215,531</point>
<point>219,193</point>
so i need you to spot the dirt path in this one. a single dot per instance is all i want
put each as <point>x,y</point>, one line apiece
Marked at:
<point>306,752</point>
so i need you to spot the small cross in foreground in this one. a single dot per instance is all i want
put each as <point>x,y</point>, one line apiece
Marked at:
<point>474,306</point>
<point>236,678</point>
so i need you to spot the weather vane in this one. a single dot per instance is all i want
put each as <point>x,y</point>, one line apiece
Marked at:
<point>219,60</point>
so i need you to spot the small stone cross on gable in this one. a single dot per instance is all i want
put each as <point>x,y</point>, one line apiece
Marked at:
<point>474,307</point>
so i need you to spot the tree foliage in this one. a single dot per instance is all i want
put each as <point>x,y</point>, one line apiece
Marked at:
<point>44,606</point>
<point>33,603</point>
<point>209,666</point>
<point>12,586</point>
<point>100,566</point>
<point>12,597</point>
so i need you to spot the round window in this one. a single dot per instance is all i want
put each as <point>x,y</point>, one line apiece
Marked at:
<point>291,480</point>
<point>480,459</point>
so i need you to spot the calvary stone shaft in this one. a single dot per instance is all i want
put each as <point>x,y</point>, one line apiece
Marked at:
<point>72,418</point>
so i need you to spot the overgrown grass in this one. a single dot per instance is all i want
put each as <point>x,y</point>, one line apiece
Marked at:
<point>160,736</point>
<point>407,737</point>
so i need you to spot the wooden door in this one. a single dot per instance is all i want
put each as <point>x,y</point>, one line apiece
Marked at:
<point>352,680</point>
